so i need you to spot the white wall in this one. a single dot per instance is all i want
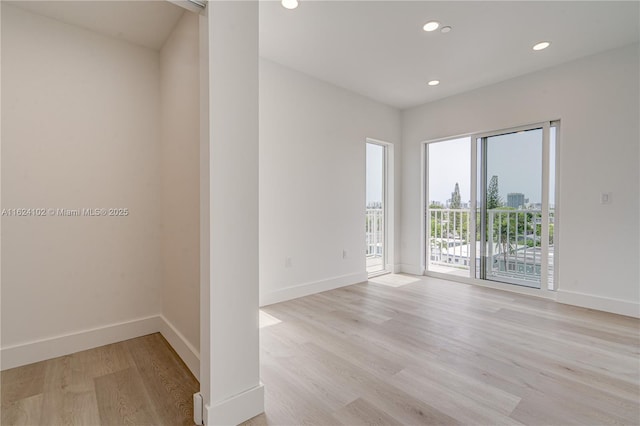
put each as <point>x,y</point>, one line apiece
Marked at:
<point>312,181</point>
<point>180,157</point>
<point>596,99</point>
<point>80,115</point>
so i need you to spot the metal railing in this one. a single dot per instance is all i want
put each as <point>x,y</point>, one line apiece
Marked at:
<point>450,237</point>
<point>374,229</point>
<point>514,242</point>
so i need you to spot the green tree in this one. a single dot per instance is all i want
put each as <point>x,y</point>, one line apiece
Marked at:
<point>513,228</point>
<point>455,197</point>
<point>435,220</point>
<point>493,194</point>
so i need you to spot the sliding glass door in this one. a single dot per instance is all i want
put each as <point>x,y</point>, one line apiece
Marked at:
<point>496,222</point>
<point>511,212</point>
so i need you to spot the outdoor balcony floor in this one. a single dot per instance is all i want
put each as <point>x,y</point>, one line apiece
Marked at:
<point>374,264</point>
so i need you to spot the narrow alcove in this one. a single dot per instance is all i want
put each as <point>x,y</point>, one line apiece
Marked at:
<point>101,138</point>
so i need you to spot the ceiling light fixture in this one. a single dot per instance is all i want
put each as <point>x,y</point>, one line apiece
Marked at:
<point>290,4</point>
<point>433,82</point>
<point>445,30</point>
<point>431,26</point>
<point>542,45</point>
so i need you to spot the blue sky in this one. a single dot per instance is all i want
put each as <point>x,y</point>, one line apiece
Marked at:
<point>375,168</point>
<point>516,159</point>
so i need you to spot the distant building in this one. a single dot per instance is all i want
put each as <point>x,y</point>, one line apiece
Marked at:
<point>534,206</point>
<point>515,200</point>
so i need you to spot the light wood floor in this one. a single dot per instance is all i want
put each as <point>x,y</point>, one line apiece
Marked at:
<point>136,382</point>
<point>409,350</point>
<point>398,350</point>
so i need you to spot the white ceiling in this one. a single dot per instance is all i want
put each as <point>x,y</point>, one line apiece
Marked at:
<point>145,23</point>
<point>378,48</point>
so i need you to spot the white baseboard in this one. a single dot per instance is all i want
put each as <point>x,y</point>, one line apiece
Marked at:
<point>185,350</point>
<point>300,290</point>
<point>616,306</point>
<point>394,268</point>
<point>410,269</point>
<point>53,347</point>
<point>236,409</point>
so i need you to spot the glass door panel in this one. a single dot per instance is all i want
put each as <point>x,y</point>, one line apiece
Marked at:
<point>447,216</point>
<point>511,218</point>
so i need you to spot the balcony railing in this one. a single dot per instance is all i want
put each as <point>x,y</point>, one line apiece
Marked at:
<point>514,243</point>
<point>374,229</point>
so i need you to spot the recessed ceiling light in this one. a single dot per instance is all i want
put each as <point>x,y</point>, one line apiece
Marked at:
<point>431,26</point>
<point>542,45</point>
<point>433,82</point>
<point>445,29</point>
<point>289,4</point>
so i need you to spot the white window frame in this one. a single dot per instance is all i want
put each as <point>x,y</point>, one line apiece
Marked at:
<point>388,206</point>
